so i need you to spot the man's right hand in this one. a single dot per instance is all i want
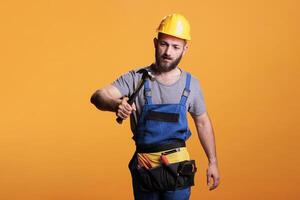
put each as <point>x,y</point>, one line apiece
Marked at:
<point>124,109</point>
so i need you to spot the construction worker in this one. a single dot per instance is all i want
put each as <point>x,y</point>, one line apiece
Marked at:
<point>161,167</point>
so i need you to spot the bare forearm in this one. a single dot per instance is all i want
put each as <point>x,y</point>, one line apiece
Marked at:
<point>207,139</point>
<point>102,100</point>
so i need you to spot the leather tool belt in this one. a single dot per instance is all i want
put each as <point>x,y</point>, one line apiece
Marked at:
<point>167,176</point>
<point>165,170</point>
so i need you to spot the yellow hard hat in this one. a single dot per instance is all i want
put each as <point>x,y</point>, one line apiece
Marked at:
<point>176,25</point>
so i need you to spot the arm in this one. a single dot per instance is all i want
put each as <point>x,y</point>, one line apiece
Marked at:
<point>207,140</point>
<point>108,99</point>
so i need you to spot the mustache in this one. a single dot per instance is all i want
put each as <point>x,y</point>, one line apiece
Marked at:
<point>166,57</point>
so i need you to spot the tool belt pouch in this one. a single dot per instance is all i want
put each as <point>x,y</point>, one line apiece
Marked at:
<point>167,177</point>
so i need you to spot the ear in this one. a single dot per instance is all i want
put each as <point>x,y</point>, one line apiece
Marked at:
<point>185,48</point>
<point>155,42</point>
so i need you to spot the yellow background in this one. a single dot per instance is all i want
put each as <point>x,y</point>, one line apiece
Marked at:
<point>54,145</point>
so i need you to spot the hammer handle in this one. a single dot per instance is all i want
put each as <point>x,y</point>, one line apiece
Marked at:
<point>132,98</point>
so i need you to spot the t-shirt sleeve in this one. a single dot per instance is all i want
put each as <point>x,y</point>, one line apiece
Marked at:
<point>125,83</point>
<point>197,103</point>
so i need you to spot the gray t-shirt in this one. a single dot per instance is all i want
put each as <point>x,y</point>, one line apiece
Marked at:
<point>161,93</point>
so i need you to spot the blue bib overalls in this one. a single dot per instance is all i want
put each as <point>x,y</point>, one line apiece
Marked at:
<point>158,124</point>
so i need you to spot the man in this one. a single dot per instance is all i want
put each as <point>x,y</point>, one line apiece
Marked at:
<point>161,167</point>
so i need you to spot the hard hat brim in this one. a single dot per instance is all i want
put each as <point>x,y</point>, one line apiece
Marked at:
<point>180,37</point>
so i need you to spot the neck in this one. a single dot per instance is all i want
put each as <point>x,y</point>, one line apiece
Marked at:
<point>168,78</point>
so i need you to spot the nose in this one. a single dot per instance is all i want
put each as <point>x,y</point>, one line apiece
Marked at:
<point>167,51</point>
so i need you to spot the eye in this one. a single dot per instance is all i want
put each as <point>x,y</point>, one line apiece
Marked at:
<point>162,44</point>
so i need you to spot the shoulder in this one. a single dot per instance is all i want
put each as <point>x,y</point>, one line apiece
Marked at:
<point>195,85</point>
<point>194,79</point>
<point>133,74</point>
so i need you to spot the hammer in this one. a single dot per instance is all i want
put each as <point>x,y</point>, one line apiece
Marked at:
<point>146,74</point>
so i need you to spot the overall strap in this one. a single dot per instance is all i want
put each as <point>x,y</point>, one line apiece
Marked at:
<point>147,92</point>
<point>186,90</point>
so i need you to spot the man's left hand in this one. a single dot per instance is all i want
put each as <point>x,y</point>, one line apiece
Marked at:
<point>212,173</point>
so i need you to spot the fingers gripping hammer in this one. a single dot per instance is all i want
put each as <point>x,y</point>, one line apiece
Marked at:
<point>146,74</point>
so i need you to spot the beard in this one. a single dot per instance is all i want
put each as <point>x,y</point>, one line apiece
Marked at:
<point>161,66</point>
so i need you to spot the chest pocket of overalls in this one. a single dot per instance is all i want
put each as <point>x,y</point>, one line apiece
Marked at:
<point>161,122</point>
<point>162,116</point>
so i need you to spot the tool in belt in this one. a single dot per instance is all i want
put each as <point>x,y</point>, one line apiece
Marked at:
<point>163,157</point>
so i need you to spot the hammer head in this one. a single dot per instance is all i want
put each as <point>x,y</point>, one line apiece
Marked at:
<point>146,74</point>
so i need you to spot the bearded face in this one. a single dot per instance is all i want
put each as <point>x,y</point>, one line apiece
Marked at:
<point>165,63</point>
<point>168,52</point>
